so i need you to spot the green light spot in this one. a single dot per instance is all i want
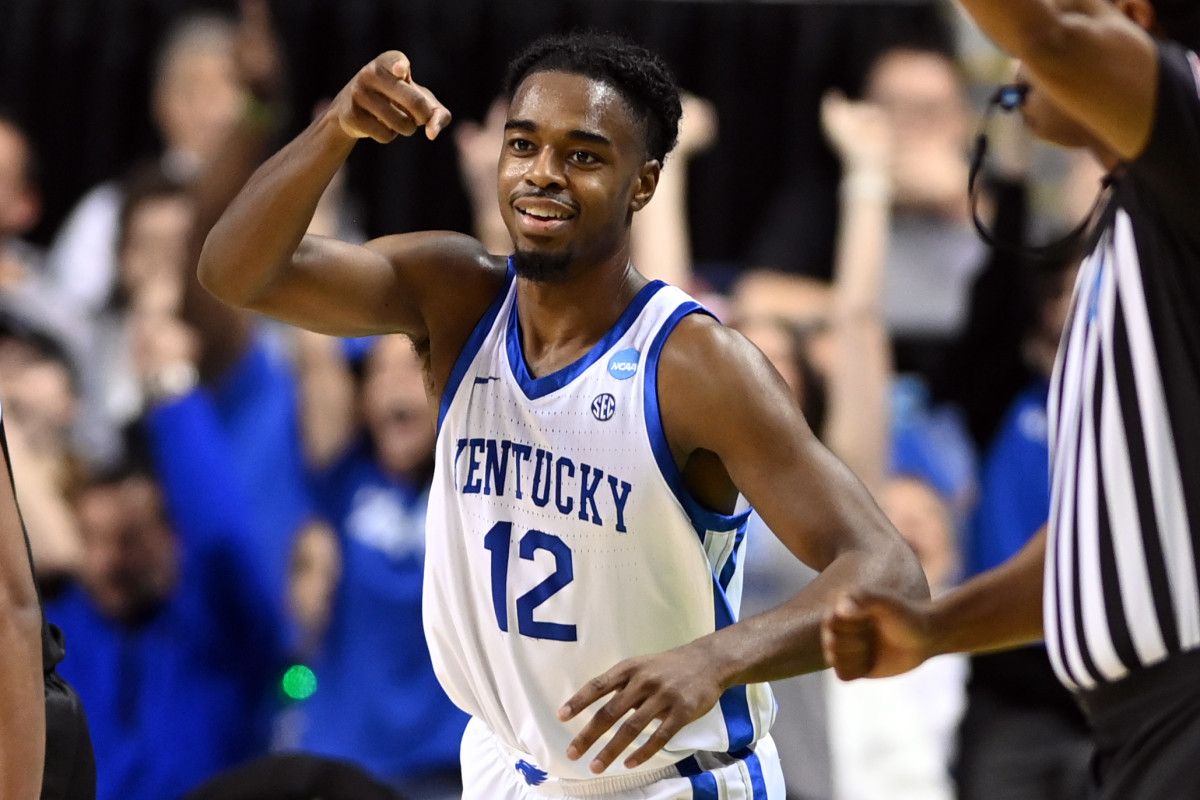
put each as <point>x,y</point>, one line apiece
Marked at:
<point>299,682</point>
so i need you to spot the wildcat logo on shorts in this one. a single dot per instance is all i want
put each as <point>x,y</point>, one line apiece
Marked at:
<point>532,775</point>
<point>604,406</point>
<point>624,364</point>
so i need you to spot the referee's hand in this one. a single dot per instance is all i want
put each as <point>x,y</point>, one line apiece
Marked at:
<point>866,635</point>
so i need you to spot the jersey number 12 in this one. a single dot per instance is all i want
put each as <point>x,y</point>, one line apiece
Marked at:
<point>497,543</point>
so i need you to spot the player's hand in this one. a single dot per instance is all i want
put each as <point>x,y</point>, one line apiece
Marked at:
<point>382,102</point>
<point>876,636</point>
<point>674,688</point>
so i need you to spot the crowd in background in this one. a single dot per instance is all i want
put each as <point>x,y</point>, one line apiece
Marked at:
<point>227,514</point>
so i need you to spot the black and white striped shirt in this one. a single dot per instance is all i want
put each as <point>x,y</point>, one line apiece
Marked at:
<point>1121,589</point>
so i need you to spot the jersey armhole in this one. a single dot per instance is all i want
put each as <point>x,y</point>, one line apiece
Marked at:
<point>471,348</point>
<point>702,519</point>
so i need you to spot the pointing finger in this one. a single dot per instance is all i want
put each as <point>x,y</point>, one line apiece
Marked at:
<point>437,122</point>
<point>400,67</point>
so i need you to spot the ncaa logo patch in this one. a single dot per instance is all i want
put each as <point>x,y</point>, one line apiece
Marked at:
<point>604,406</point>
<point>624,364</point>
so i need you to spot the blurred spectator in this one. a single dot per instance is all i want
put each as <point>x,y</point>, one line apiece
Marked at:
<point>893,738</point>
<point>934,252</point>
<point>40,392</point>
<point>25,288</point>
<point>661,238</point>
<point>170,612</point>
<point>371,461</point>
<point>154,220</point>
<point>244,363</point>
<point>196,97</point>
<point>478,146</point>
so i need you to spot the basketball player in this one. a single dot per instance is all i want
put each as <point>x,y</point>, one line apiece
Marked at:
<point>1111,581</point>
<point>599,440</point>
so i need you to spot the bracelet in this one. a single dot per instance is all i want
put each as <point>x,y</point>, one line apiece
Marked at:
<point>866,186</point>
<point>172,381</point>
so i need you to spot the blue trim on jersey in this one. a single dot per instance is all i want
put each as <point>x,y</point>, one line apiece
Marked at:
<point>702,519</point>
<point>704,786</point>
<point>735,701</point>
<point>758,783</point>
<point>735,708</point>
<point>535,388</point>
<point>472,346</point>
<point>731,563</point>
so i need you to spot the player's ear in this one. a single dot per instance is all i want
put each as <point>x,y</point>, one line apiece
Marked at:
<point>647,182</point>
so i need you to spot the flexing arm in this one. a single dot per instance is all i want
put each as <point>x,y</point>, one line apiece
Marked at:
<point>874,635</point>
<point>23,710</point>
<point>1090,56</point>
<point>258,257</point>
<point>810,499</point>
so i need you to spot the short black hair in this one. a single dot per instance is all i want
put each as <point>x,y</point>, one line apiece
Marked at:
<point>1179,20</point>
<point>642,78</point>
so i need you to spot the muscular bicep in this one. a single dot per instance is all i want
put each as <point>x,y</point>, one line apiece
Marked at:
<point>388,285</point>
<point>738,407</point>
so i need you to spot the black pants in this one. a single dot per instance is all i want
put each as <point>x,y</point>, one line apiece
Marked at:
<point>1147,730</point>
<point>70,772</point>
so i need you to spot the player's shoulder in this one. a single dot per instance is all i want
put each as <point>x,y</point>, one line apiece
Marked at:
<point>702,337</point>
<point>702,350</point>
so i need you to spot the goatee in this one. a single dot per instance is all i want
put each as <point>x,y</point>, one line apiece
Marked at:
<point>541,267</point>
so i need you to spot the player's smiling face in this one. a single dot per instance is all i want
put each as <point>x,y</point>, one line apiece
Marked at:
<point>572,169</point>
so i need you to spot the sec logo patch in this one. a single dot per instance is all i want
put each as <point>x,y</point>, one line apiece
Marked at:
<point>604,406</point>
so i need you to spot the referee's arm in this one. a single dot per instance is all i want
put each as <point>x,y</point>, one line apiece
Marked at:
<point>1094,58</point>
<point>873,636</point>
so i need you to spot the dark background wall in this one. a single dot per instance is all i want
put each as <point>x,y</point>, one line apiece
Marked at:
<point>76,72</point>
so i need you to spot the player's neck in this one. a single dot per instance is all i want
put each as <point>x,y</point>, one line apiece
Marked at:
<point>562,320</point>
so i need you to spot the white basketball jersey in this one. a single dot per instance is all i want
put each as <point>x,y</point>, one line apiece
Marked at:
<point>561,540</point>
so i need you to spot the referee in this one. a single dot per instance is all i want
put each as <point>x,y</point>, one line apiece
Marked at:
<point>1111,582</point>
